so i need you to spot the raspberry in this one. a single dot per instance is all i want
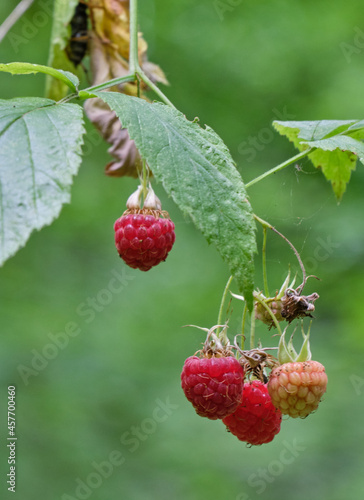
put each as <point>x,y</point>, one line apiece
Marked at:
<point>143,238</point>
<point>296,388</point>
<point>213,385</point>
<point>256,421</point>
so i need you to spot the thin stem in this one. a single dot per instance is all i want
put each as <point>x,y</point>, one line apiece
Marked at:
<point>281,166</point>
<point>269,310</point>
<point>145,180</point>
<point>266,224</point>
<point>252,329</point>
<point>154,87</point>
<point>110,83</point>
<point>264,258</point>
<point>13,17</point>
<point>243,326</point>
<point>134,37</point>
<point>223,299</point>
<point>68,97</point>
<point>135,71</point>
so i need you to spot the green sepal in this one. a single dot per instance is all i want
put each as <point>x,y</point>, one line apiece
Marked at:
<point>305,352</point>
<point>284,355</point>
<point>291,350</point>
<point>288,354</point>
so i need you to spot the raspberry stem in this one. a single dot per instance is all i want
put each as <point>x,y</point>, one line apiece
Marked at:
<point>252,329</point>
<point>266,225</point>
<point>223,299</point>
<point>135,70</point>
<point>243,320</point>
<point>264,258</point>
<point>270,312</point>
<point>281,166</point>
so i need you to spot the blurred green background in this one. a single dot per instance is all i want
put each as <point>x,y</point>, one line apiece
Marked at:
<point>114,389</point>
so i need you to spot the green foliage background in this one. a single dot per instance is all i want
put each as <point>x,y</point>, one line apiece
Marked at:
<point>237,74</point>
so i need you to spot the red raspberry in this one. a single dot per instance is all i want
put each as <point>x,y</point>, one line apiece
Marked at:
<point>296,388</point>
<point>256,420</point>
<point>143,238</point>
<point>213,385</point>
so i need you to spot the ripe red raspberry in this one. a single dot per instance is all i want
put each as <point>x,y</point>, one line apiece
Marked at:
<point>256,421</point>
<point>213,385</point>
<point>143,238</point>
<point>296,388</point>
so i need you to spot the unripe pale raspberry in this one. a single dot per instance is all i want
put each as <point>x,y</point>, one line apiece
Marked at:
<point>275,305</point>
<point>143,238</point>
<point>256,421</point>
<point>213,385</point>
<point>297,388</point>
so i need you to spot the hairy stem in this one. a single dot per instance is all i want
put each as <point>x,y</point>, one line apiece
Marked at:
<point>281,166</point>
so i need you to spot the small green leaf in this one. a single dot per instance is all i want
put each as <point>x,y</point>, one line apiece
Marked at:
<point>337,158</point>
<point>20,68</point>
<point>196,169</point>
<point>40,147</point>
<point>336,144</point>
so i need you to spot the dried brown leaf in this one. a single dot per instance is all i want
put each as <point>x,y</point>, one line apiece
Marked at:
<point>109,52</point>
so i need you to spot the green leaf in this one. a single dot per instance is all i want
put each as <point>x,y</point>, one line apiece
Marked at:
<point>197,171</point>
<point>63,12</point>
<point>20,68</point>
<point>336,145</point>
<point>40,147</point>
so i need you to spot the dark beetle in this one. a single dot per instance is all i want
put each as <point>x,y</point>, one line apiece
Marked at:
<point>78,43</point>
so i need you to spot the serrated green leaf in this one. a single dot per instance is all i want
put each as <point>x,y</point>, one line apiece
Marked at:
<point>63,12</point>
<point>40,147</point>
<point>337,158</point>
<point>336,146</point>
<point>20,68</point>
<point>196,169</point>
<point>311,130</point>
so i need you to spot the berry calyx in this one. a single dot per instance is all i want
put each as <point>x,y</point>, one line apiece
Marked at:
<point>213,385</point>
<point>144,237</point>
<point>297,388</point>
<point>256,421</point>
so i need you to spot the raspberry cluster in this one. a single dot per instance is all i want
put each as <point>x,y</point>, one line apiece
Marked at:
<point>144,238</point>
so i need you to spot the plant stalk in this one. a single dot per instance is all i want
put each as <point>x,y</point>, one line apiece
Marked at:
<point>279,167</point>
<point>264,259</point>
<point>134,66</point>
<point>266,225</point>
<point>223,299</point>
<point>133,37</point>
<point>110,83</point>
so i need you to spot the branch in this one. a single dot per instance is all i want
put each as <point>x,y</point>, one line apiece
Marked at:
<point>9,22</point>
